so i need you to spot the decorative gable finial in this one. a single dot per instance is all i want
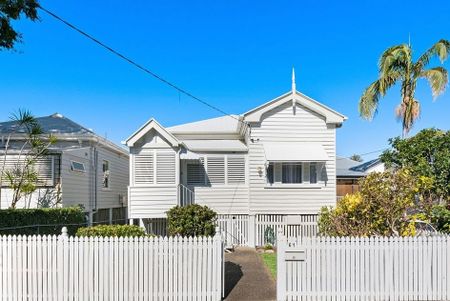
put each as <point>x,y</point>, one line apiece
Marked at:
<point>293,81</point>
<point>293,90</point>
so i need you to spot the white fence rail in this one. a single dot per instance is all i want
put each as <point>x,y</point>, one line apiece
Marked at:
<point>252,230</point>
<point>72,268</point>
<point>379,268</point>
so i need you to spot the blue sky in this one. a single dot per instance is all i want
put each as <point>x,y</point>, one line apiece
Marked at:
<point>234,54</point>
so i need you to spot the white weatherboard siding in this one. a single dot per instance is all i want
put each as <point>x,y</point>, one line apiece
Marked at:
<point>282,126</point>
<point>151,202</point>
<point>76,187</point>
<point>230,199</point>
<point>118,179</point>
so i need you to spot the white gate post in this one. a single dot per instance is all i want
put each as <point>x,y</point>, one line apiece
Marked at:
<point>281,265</point>
<point>251,231</point>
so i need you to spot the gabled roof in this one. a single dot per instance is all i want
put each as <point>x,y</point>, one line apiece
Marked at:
<point>228,124</point>
<point>330,115</point>
<point>53,124</point>
<point>149,125</point>
<point>366,165</point>
<point>344,168</point>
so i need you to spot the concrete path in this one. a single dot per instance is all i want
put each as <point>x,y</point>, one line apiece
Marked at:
<point>246,277</point>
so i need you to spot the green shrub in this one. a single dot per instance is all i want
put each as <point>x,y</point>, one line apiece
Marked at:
<point>112,231</point>
<point>440,217</point>
<point>191,220</point>
<point>42,221</point>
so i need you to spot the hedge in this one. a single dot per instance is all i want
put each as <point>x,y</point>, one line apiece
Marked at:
<point>112,231</point>
<point>191,220</point>
<point>41,221</point>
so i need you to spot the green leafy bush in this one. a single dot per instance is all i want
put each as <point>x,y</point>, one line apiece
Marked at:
<point>41,221</point>
<point>440,217</point>
<point>112,231</point>
<point>191,220</point>
<point>387,205</point>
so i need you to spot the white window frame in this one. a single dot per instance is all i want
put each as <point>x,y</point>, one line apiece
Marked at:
<point>72,167</point>
<point>107,173</point>
<point>278,177</point>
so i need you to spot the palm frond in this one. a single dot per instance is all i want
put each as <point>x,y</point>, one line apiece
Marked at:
<point>441,49</point>
<point>437,78</point>
<point>397,58</point>
<point>368,103</point>
<point>387,80</point>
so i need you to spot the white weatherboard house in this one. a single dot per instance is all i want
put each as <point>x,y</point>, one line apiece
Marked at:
<point>273,166</point>
<point>81,168</point>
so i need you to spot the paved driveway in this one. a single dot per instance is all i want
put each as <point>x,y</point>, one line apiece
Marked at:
<point>246,277</point>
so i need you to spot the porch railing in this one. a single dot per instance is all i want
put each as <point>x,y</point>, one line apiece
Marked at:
<point>185,195</point>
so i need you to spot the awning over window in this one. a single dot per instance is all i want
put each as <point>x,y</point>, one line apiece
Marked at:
<point>188,155</point>
<point>215,145</point>
<point>295,152</point>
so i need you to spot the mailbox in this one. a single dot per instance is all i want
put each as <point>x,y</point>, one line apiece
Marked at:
<point>295,255</point>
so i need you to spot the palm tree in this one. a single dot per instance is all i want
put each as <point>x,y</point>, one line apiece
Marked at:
<point>396,66</point>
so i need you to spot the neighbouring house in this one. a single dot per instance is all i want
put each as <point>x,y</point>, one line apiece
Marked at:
<point>81,168</point>
<point>271,166</point>
<point>349,172</point>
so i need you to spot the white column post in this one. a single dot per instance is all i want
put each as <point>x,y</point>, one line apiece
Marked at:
<point>281,265</point>
<point>110,216</point>
<point>252,230</point>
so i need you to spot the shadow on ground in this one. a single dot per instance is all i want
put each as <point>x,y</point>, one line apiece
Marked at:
<point>233,273</point>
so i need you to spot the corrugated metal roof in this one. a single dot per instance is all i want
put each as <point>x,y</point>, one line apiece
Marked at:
<point>53,124</point>
<point>224,124</point>
<point>344,168</point>
<point>312,152</point>
<point>215,145</point>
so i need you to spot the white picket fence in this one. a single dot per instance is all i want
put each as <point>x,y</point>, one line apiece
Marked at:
<point>72,268</point>
<point>376,268</point>
<point>292,226</point>
<point>235,229</point>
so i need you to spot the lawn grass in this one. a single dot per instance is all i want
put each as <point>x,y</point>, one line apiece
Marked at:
<point>270,260</point>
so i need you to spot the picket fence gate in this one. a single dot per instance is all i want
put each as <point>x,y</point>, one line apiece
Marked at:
<point>375,268</point>
<point>93,268</point>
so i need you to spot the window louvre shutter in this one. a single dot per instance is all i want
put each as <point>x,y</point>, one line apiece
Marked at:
<point>216,170</point>
<point>236,169</point>
<point>43,167</point>
<point>195,173</point>
<point>165,168</point>
<point>143,168</point>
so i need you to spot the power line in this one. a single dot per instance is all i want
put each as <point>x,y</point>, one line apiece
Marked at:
<point>363,154</point>
<point>137,65</point>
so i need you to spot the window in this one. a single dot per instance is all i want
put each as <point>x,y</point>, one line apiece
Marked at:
<point>313,173</point>
<point>216,170</point>
<point>195,173</point>
<point>236,169</point>
<point>270,173</point>
<point>77,166</point>
<point>143,168</point>
<point>44,167</point>
<point>105,174</point>
<point>291,173</point>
